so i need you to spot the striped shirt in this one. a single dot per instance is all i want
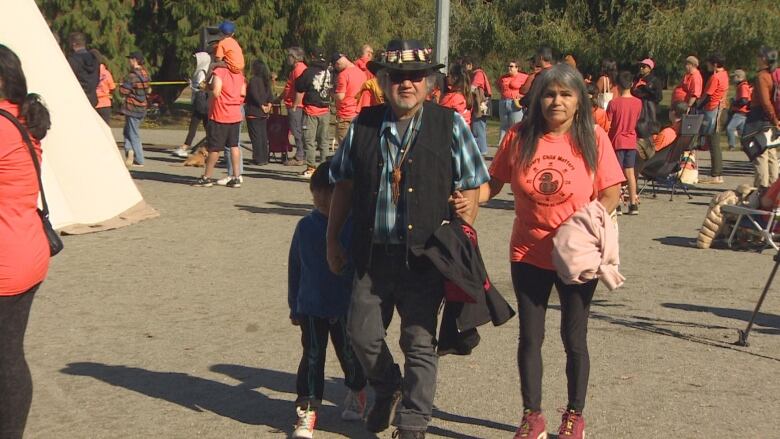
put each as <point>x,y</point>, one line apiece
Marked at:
<point>468,170</point>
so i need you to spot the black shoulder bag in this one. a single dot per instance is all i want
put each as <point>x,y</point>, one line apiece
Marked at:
<point>55,243</point>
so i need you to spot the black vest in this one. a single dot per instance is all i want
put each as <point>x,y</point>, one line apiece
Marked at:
<point>425,187</point>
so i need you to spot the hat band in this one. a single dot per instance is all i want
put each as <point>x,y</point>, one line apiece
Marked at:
<point>408,55</point>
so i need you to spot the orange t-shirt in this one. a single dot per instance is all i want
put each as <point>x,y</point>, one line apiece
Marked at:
<point>289,88</point>
<point>666,137</point>
<point>690,87</point>
<point>717,86</point>
<point>230,51</point>
<point>24,250</point>
<point>226,108</point>
<point>555,185</point>
<point>457,102</point>
<point>601,118</point>
<point>349,82</point>
<point>744,91</point>
<point>104,88</point>
<point>511,85</point>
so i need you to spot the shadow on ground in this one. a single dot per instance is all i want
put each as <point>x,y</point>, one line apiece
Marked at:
<point>245,402</point>
<point>291,209</point>
<point>765,323</point>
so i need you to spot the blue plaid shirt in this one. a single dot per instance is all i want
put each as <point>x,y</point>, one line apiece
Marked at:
<point>468,170</point>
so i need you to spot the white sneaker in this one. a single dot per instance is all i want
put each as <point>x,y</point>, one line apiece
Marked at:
<point>354,405</point>
<point>225,180</point>
<point>307,419</point>
<point>181,153</point>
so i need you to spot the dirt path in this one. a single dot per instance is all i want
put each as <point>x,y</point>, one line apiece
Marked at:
<point>177,327</point>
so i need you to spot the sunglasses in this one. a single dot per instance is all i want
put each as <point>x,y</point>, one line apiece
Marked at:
<point>399,77</point>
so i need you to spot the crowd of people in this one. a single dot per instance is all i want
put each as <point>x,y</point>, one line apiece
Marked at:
<point>409,162</point>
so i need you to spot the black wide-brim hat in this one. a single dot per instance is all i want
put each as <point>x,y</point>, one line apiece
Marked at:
<point>405,56</point>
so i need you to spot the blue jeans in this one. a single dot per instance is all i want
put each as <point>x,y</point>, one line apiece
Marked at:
<point>710,131</point>
<point>508,116</point>
<point>133,138</point>
<point>735,127</point>
<point>479,130</point>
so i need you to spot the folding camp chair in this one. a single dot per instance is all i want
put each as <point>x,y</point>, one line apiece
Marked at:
<point>754,219</point>
<point>664,166</point>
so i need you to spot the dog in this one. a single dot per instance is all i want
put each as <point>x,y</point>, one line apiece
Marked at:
<point>198,158</point>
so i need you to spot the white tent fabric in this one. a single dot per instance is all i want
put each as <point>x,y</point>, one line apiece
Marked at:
<point>88,187</point>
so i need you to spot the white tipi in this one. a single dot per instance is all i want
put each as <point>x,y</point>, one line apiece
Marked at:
<point>88,187</point>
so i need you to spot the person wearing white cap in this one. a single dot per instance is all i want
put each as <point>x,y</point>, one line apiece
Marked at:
<point>740,106</point>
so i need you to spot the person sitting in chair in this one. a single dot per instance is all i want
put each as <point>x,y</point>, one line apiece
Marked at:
<point>668,135</point>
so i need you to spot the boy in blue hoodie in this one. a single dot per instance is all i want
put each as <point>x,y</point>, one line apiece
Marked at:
<point>319,301</point>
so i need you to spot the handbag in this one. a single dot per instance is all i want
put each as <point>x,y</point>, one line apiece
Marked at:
<point>200,103</point>
<point>55,242</point>
<point>602,99</point>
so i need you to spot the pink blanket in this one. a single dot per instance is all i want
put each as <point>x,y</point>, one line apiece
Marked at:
<point>585,247</point>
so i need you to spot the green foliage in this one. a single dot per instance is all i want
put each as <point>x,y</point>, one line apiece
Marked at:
<point>168,31</point>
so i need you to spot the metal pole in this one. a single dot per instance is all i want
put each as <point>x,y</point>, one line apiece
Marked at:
<point>442,37</point>
<point>743,335</point>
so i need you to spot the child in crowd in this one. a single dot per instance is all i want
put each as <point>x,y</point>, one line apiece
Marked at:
<point>319,301</point>
<point>668,135</point>
<point>457,90</point>
<point>740,107</point>
<point>623,112</point>
<point>228,52</point>
<point>599,114</point>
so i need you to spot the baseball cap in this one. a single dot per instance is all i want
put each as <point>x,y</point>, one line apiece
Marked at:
<point>692,60</point>
<point>136,55</point>
<point>227,27</point>
<point>648,62</point>
<point>335,57</point>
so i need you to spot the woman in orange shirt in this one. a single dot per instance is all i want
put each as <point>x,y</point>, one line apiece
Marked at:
<point>457,90</point>
<point>555,162</point>
<point>24,249</point>
<point>509,110</point>
<point>105,87</point>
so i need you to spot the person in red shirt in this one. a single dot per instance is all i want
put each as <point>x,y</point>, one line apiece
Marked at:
<point>690,87</point>
<point>668,135</point>
<point>509,110</point>
<point>295,57</point>
<point>714,92</point>
<point>599,114</point>
<point>24,248</point>
<point>541,61</point>
<point>764,113</point>
<point>228,91</point>
<point>481,93</point>
<point>366,55</point>
<point>556,163</point>
<point>740,107</point>
<point>457,90</point>
<point>623,113</point>
<point>350,81</point>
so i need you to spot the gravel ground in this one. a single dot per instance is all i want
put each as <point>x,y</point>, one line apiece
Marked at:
<point>177,327</point>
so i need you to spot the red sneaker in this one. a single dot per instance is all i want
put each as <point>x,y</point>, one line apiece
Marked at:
<point>532,426</point>
<point>572,426</point>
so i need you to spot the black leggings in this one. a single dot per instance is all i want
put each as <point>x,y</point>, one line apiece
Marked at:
<point>311,370</point>
<point>195,119</point>
<point>532,288</point>
<point>15,379</point>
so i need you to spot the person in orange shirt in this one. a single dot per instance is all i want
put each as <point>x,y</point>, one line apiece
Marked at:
<point>714,91</point>
<point>105,87</point>
<point>668,135</point>
<point>764,113</point>
<point>556,163</point>
<point>457,90</point>
<point>690,87</point>
<point>599,114</point>
<point>295,57</point>
<point>366,55</point>
<point>740,106</point>
<point>349,81</point>
<point>509,110</point>
<point>228,50</point>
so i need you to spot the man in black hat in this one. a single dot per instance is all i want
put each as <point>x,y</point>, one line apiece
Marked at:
<point>395,170</point>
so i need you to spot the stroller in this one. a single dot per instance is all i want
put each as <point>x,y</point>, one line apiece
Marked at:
<point>278,134</point>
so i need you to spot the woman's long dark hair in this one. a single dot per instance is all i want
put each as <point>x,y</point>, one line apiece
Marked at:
<point>460,82</point>
<point>260,69</point>
<point>14,88</point>
<point>534,125</point>
<point>610,70</point>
